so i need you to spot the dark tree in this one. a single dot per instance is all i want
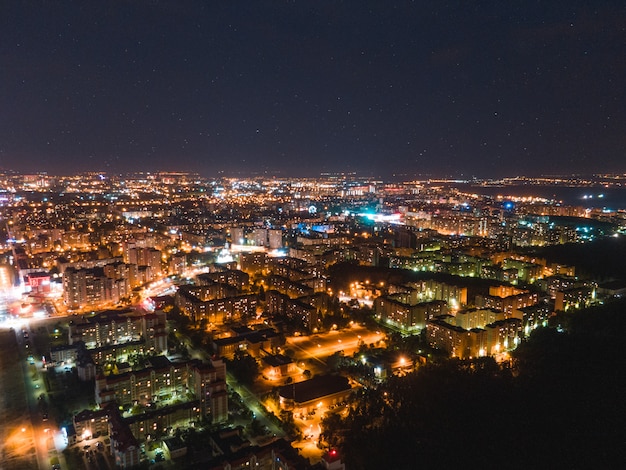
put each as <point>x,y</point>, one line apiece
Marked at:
<point>560,405</point>
<point>244,367</point>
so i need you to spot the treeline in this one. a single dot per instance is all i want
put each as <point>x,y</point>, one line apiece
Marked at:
<point>602,259</point>
<point>560,403</point>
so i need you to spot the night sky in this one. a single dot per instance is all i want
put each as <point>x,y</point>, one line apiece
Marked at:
<point>295,88</point>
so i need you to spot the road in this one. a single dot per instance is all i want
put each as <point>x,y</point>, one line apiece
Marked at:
<point>253,403</point>
<point>44,428</point>
<point>27,440</point>
<point>16,433</point>
<point>318,347</point>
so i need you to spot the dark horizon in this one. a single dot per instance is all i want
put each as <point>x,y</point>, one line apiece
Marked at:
<point>392,177</point>
<point>298,88</point>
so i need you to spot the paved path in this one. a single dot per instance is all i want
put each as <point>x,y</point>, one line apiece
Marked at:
<point>17,439</point>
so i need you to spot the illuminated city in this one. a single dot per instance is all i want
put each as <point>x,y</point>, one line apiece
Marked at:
<point>329,235</point>
<point>171,302</point>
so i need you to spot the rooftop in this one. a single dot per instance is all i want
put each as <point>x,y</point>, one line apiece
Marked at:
<point>317,387</point>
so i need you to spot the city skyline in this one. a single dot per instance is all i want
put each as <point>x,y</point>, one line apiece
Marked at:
<point>297,89</point>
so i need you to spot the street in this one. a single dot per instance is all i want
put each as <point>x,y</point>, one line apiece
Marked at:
<point>318,347</point>
<point>27,440</point>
